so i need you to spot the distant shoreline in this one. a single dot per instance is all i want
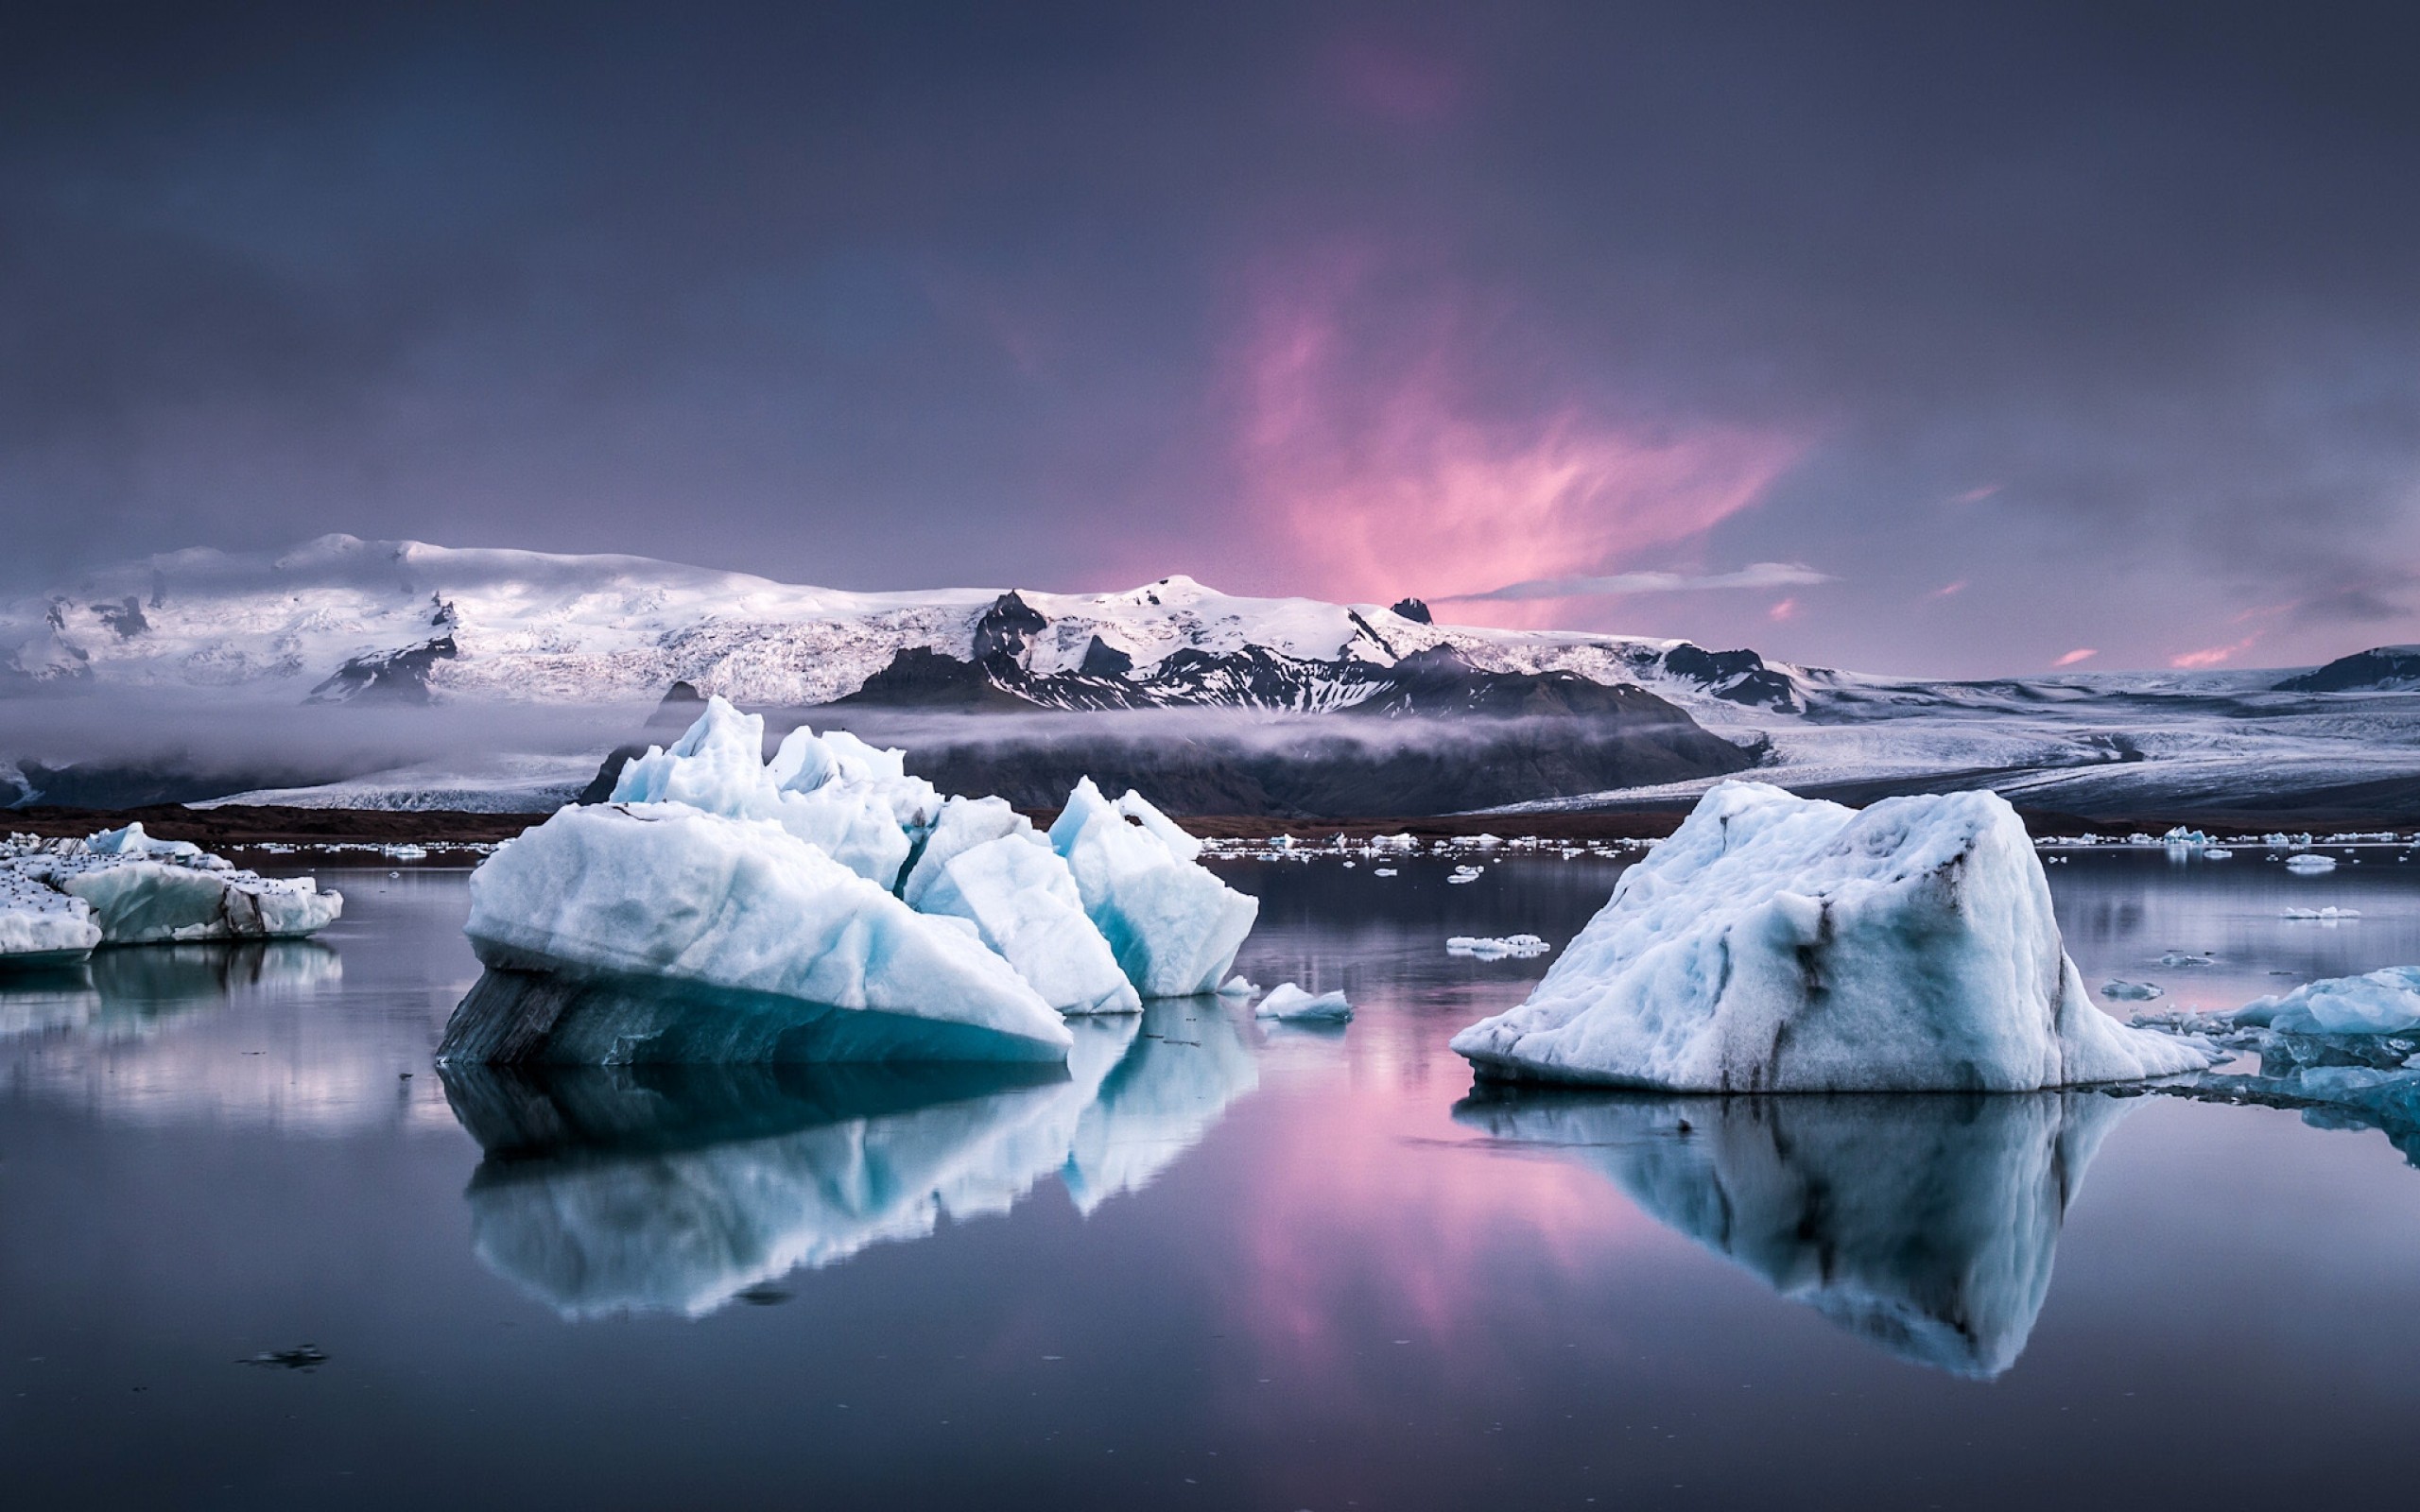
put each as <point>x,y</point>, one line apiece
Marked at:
<point>245,828</point>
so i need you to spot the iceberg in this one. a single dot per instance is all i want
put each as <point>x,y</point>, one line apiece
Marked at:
<point>2307,865</point>
<point>1926,1226</point>
<point>1174,926</point>
<point>2119,990</point>
<point>2384,1002</point>
<point>1289,1004</point>
<point>1781,944</point>
<point>135,891</point>
<point>1022,898</point>
<point>1496,948</point>
<point>813,960</point>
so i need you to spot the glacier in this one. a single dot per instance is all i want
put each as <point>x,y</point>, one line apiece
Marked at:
<point>1926,1226</point>
<point>60,898</point>
<point>828,906</point>
<point>1783,944</point>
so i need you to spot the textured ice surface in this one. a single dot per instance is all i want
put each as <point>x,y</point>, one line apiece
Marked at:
<point>1292,1005</point>
<point>1021,896</point>
<point>1781,944</point>
<point>1924,1225</point>
<point>667,891</point>
<point>136,890</point>
<point>1174,926</point>
<point>2384,1002</point>
<point>40,925</point>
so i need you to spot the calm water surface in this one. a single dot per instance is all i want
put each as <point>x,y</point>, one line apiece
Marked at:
<point>1217,1265</point>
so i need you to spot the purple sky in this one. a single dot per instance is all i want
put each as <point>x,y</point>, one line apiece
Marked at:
<point>1931,338</point>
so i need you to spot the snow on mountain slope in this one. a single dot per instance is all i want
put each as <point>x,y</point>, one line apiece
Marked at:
<point>340,618</point>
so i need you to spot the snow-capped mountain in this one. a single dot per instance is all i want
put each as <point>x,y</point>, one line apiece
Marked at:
<point>340,619</point>
<point>1555,719</point>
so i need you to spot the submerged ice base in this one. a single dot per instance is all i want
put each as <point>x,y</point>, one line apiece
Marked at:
<point>1781,944</point>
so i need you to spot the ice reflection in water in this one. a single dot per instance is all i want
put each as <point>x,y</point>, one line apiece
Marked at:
<point>629,1189</point>
<point>1924,1223</point>
<point>132,990</point>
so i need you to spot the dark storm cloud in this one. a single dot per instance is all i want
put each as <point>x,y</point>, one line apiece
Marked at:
<point>2106,312</point>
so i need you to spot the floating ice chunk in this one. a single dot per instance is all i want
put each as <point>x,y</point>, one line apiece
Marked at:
<point>1292,1005</point>
<point>2217,853</point>
<point>42,926</point>
<point>2323,916</point>
<point>1023,899</point>
<point>131,841</point>
<point>2132,991</point>
<point>1487,948</point>
<point>665,891</point>
<point>2193,839</point>
<point>1926,1226</point>
<point>2308,865</point>
<point>2384,1002</point>
<point>1237,987</point>
<point>1462,874</point>
<point>1781,944</point>
<point>1382,871</point>
<point>1174,926</point>
<point>2176,958</point>
<point>138,891</point>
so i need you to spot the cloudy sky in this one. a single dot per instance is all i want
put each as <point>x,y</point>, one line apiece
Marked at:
<point>1924,338</point>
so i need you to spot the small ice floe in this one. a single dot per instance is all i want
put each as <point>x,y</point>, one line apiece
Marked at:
<point>2384,1002</point>
<point>1496,948</point>
<point>2132,991</point>
<point>2309,864</point>
<point>2174,959</point>
<point>1237,987</point>
<point>1382,871</point>
<point>1466,873</point>
<point>1289,1004</point>
<point>2217,853</point>
<point>2321,916</point>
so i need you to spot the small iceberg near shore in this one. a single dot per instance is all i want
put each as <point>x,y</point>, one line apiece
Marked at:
<point>2384,1002</point>
<point>60,899</point>
<point>1784,944</point>
<point>826,907</point>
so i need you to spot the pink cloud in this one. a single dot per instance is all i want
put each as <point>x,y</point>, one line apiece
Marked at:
<point>2081,653</point>
<point>2213,656</point>
<point>1372,466</point>
<point>1948,590</point>
<point>1977,495</point>
<point>1786,610</point>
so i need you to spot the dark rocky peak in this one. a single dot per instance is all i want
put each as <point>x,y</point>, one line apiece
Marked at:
<point>2381,669</point>
<point>1001,634</point>
<point>1412,610</point>
<point>125,617</point>
<point>384,677</point>
<point>678,708</point>
<point>440,614</point>
<point>1102,660</point>
<point>921,678</point>
<point>1739,676</point>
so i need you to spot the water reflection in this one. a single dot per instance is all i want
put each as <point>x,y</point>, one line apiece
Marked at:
<point>628,1189</point>
<point>1925,1224</point>
<point>134,990</point>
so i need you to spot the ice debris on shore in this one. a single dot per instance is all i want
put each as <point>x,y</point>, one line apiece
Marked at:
<point>847,907</point>
<point>1496,948</point>
<point>1781,944</point>
<point>1289,1004</point>
<point>60,898</point>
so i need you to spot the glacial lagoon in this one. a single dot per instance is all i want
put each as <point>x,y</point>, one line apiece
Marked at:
<point>255,1249</point>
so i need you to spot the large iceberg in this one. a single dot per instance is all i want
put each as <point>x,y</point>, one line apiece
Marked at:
<point>818,962</point>
<point>1783,944</point>
<point>1924,1225</point>
<point>827,905</point>
<point>60,898</point>
<point>1175,927</point>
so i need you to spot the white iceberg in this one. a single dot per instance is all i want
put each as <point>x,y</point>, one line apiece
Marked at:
<point>2384,1002</point>
<point>1496,948</point>
<point>1781,944</point>
<point>1174,927</point>
<point>665,891</point>
<point>42,926</point>
<point>2308,865</point>
<point>1292,1005</point>
<point>136,890</point>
